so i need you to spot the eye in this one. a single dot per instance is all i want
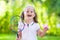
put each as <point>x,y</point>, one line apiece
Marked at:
<point>27,11</point>
<point>31,11</point>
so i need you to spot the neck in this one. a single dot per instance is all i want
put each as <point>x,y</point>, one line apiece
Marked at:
<point>28,21</point>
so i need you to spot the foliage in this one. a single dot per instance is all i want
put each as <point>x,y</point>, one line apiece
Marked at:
<point>47,12</point>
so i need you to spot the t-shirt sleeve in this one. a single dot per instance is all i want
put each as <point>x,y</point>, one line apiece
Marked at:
<point>37,26</point>
<point>19,26</point>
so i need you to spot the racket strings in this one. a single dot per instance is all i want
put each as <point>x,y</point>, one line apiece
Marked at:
<point>14,23</point>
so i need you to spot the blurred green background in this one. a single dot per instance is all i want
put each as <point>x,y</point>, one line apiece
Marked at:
<point>48,12</point>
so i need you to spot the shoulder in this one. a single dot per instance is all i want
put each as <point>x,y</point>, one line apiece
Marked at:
<point>36,24</point>
<point>20,22</point>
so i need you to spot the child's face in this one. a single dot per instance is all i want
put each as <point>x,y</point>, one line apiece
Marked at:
<point>29,13</point>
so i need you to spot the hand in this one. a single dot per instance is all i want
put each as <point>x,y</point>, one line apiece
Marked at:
<point>17,39</point>
<point>19,35</point>
<point>45,27</point>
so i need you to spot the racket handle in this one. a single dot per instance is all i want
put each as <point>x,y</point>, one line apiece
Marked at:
<point>17,36</point>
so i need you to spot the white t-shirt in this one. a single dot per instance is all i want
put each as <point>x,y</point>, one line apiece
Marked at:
<point>29,32</point>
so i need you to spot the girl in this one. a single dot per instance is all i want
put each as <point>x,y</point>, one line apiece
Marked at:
<point>28,28</point>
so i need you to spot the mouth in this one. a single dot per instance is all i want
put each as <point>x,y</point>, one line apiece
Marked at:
<point>29,15</point>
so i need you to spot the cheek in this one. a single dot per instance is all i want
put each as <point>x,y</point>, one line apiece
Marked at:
<point>33,15</point>
<point>25,14</point>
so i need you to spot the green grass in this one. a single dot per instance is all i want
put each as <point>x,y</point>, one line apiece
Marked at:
<point>7,36</point>
<point>49,38</point>
<point>13,37</point>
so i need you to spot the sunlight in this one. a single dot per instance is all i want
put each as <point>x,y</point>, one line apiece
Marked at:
<point>43,0</point>
<point>44,10</point>
<point>2,8</point>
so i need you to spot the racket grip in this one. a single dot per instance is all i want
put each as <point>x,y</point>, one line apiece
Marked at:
<point>17,36</point>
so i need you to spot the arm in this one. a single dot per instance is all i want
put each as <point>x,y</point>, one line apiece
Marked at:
<point>42,33</point>
<point>19,34</point>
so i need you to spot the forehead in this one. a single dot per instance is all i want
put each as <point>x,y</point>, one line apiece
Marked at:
<point>29,8</point>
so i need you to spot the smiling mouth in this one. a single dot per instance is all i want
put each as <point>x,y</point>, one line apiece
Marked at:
<point>29,15</point>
